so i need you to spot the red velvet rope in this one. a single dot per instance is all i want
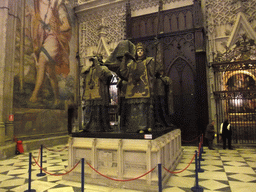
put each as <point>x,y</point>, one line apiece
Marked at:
<point>120,179</point>
<point>192,140</point>
<point>174,172</point>
<point>56,174</point>
<point>39,154</point>
<point>55,150</point>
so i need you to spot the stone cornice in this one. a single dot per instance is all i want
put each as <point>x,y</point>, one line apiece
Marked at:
<point>95,5</point>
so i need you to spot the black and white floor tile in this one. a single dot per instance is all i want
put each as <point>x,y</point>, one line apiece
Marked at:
<point>224,170</point>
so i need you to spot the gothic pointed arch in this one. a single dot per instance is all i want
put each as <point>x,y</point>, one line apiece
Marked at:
<point>241,26</point>
<point>183,82</point>
<point>182,74</point>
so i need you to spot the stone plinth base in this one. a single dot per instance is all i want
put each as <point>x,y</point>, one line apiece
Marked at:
<point>125,159</point>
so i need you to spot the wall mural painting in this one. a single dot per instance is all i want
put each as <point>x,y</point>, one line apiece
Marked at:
<point>47,78</point>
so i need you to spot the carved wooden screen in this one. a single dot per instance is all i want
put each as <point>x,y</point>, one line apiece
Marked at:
<point>171,21</point>
<point>182,76</point>
<point>176,50</point>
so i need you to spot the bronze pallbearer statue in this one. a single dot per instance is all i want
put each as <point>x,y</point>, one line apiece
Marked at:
<point>96,96</point>
<point>145,95</point>
<point>145,102</point>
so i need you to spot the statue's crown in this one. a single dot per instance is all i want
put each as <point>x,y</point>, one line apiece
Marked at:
<point>140,46</point>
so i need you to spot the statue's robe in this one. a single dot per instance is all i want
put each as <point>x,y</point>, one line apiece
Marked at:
<point>97,98</point>
<point>143,92</point>
<point>139,94</point>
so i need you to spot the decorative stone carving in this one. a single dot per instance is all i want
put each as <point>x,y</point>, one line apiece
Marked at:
<point>220,12</point>
<point>144,4</point>
<point>226,22</point>
<point>242,26</point>
<point>91,20</point>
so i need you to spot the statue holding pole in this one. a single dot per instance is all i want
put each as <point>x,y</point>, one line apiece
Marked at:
<point>96,96</point>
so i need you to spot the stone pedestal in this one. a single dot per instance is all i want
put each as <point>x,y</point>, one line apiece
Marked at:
<point>125,159</point>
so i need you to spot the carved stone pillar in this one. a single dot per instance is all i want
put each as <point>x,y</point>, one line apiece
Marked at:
<point>8,14</point>
<point>2,133</point>
<point>9,130</point>
<point>4,17</point>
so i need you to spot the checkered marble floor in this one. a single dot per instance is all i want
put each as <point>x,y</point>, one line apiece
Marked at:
<point>224,170</point>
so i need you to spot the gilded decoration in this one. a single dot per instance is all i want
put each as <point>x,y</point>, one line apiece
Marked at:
<point>235,83</point>
<point>244,50</point>
<point>141,88</point>
<point>147,92</point>
<point>92,92</point>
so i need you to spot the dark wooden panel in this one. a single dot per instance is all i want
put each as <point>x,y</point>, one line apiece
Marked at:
<point>182,52</point>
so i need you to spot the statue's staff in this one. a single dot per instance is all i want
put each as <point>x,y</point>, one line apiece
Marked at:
<point>161,76</point>
<point>77,100</point>
<point>160,7</point>
<point>154,91</point>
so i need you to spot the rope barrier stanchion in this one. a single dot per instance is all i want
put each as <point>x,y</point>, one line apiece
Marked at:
<point>202,141</point>
<point>159,177</point>
<point>196,188</point>
<point>82,175</point>
<point>200,159</point>
<point>41,163</point>
<point>56,174</point>
<point>200,154</point>
<point>29,175</point>
<point>200,170</point>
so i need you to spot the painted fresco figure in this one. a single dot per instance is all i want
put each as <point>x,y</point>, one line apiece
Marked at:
<point>51,35</point>
<point>96,96</point>
<point>144,104</point>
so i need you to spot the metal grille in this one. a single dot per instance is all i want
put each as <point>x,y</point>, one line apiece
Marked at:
<point>235,95</point>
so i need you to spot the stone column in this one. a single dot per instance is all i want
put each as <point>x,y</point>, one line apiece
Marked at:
<point>3,27</point>
<point>8,10</point>
<point>2,133</point>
